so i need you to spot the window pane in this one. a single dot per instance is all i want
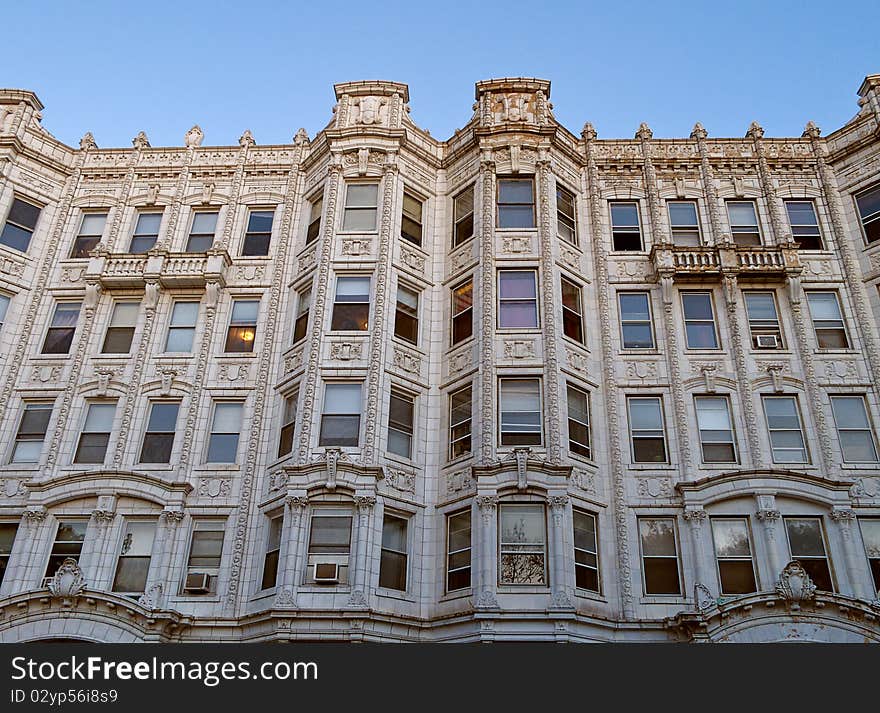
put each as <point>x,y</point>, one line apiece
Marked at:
<point>342,398</point>
<point>849,411</point>
<point>394,533</point>
<point>24,214</point>
<point>697,306</point>
<point>260,221</point>
<point>163,417</point>
<point>66,314</point>
<point>184,314</point>
<point>742,214</point>
<point>227,418</point>
<point>805,538</point>
<point>634,306</point>
<point>520,395</point>
<point>330,533</point>
<point>514,191</point>
<point>148,224</point>
<point>645,414</point>
<point>361,219</point>
<point>683,214</point>
<point>245,312</point>
<point>731,538</point>
<point>364,195</point>
<point>658,538</point>
<point>522,524</point>
<point>99,418</point>
<point>223,448</point>
<point>824,305</point>
<point>624,215</point>
<point>204,223</point>
<point>760,305</point>
<point>516,216</point>
<point>800,213</point>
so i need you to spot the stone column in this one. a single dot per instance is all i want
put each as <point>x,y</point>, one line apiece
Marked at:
<point>21,574</point>
<point>488,552</point>
<point>101,559</point>
<point>289,565</point>
<point>359,582</point>
<point>163,571</point>
<point>771,520</point>
<point>487,305</point>
<point>560,584</point>
<point>856,568</point>
<point>696,518</point>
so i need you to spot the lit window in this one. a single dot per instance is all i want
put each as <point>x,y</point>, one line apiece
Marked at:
<point>68,544</point>
<point>31,433</point>
<point>341,417</point>
<point>59,336</point>
<point>520,401</point>
<point>351,308</point>
<point>744,223</point>
<point>586,551</point>
<point>273,552</point>
<point>733,553</point>
<point>806,544</point>
<point>361,200</point>
<point>763,320</point>
<point>406,316</point>
<point>314,229</point>
<point>95,435</point>
<point>259,232</point>
<point>626,231</point>
<point>458,551</point>
<point>182,328</point>
<point>646,429</point>
<point>400,423</point>
<point>462,312</point>
<point>786,434</point>
<point>572,311</point>
<point>288,422</point>
<point>565,216</point>
<point>517,299</point>
<point>411,220</point>
<point>716,431</point>
<point>225,432</point>
<point>684,223</point>
<point>516,203</point>
<point>827,320</point>
<point>659,556</point>
<point>120,331</point>
<point>242,331</point>
<point>804,225</point>
<point>329,546</point>
<point>159,436</point>
<point>20,225</point>
<point>868,203</point>
<point>636,329</point>
<point>699,320</point>
<point>578,421</point>
<point>146,232</point>
<point>133,564</point>
<point>202,231</point>
<point>303,305</point>
<point>393,561</point>
<point>460,416</point>
<point>854,429</point>
<point>463,209</point>
<point>522,543</point>
<point>90,230</point>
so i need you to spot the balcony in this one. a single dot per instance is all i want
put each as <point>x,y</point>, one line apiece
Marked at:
<point>694,263</point>
<point>170,270</point>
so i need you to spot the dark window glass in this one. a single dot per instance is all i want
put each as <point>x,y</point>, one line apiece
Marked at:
<point>393,562</point>
<point>460,415</point>
<point>411,220</point>
<point>314,228</point>
<point>578,421</point>
<point>517,299</point>
<point>90,231</point>
<point>516,203</point>
<point>827,320</point>
<point>68,543</point>
<point>120,331</point>
<point>804,225</point>
<point>341,418</point>
<point>744,223</point>
<point>95,436</point>
<point>146,232</point>
<point>586,551</point>
<point>7,539</point>
<point>159,436</point>
<point>635,320</point>
<point>351,309</point>
<point>733,552</point>
<point>520,401</point>
<point>400,424</point>
<point>242,331</point>
<point>572,317</point>
<point>870,528</point>
<point>646,429</point>
<point>59,336</point>
<point>683,223</point>
<point>273,550</point>
<point>288,422</point>
<point>225,432</point>
<point>20,225</point>
<point>806,544</point>
<point>565,216</point>
<point>659,556</point>
<point>259,232</point>
<point>763,320</point>
<point>458,551</point>
<point>462,312</point>
<point>626,232</point>
<point>133,564</point>
<point>716,431</point>
<point>699,320</point>
<point>31,433</point>
<point>301,325</point>
<point>463,209</point>
<point>406,318</point>
<point>868,203</point>
<point>201,234</point>
<point>522,544</point>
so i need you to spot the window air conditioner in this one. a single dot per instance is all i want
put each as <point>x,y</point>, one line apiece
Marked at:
<point>327,572</point>
<point>767,341</point>
<point>197,583</point>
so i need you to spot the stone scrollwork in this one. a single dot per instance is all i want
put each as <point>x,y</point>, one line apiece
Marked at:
<point>795,585</point>
<point>68,581</point>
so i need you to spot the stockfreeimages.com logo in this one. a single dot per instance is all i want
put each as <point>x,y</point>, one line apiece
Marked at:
<point>210,673</point>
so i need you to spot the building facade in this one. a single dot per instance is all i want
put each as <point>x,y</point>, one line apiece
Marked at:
<point>371,386</point>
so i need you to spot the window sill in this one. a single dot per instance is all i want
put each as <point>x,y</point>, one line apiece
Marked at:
<point>357,232</point>
<point>458,461</point>
<point>516,230</point>
<point>399,460</point>
<point>590,595</point>
<point>160,467</point>
<point>770,352</point>
<point>12,467</point>
<point>457,595</point>
<point>280,460</point>
<point>407,345</point>
<point>508,450</point>
<point>719,466</point>
<point>705,352</point>
<point>236,355</point>
<point>850,350</point>
<point>523,589</point>
<point>469,242</point>
<point>653,351</point>
<point>662,599</point>
<point>872,465</point>
<point>575,343</point>
<point>51,357</point>
<point>460,345</point>
<point>395,594</point>
<point>213,467</point>
<point>189,598</point>
<point>583,460</point>
<point>518,330</point>
<point>651,466</point>
<point>567,243</point>
<point>264,594</point>
<point>14,252</point>
<point>175,355</point>
<point>349,333</point>
<point>325,589</point>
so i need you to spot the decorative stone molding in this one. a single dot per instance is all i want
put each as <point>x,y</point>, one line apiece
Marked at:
<point>459,482</point>
<point>67,582</point>
<point>795,585</point>
<point>407,361</point>
<point>193,138</point>
<point>346,351</point>
<point>401,480</point>
<point>214,487</point>
<point>355,247</point>
<point>519,348</point>
<point>653,487</point>
<point>703,598</point>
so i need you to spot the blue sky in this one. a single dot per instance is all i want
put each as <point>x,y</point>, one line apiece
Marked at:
<point>116,68</point>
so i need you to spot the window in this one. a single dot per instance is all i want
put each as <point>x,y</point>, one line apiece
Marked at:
<point>516,203</point>
<point>517,299</point>
<point>463,213</point>
<point>146,232</point>
<point>733,552</point>
<point>804,225</point>
<point>635,320</point>
<point>684,223</point>
<point>786,434</point>
<point>120,331</point>
<point>392,565</point>
<point>273,551</point>
<point>95,435</point>
<point>7,539</point>
<point>626,232</point>
<point>288,422</point>
<point>205,553</point>
<point>854,429</point>
<point>258,233</point>
<point>460,415</point>
<point>20,225</point>
<point>586,551</point>
<point>462,312</point>
<point>341,417</point>
<point>763,320</point>
<point>646,429</point>
<point>329,546</point>
<point>225,431</point>
<point>202,231</point>
<point>743,223</point>
<point>411,220</point>
<point>659,556</point>
<point>303,305</point>
<point>90,230</point>
<point>868,203</point>
<point>315,210</point>
<point>406,318</point>
<point>565,216</point>
<point>4,307</point>
<point>242,331</point>
<point>699,320</point>
<point>133,564</point>
<point>520,412</point>
<point>68,543</point>
<point>400,423</point>
<point>579,421</point>
<point>806,543</point>
<point>871,538</point>
<point>159,436</point>
<point>31,433</point>
<point>827,320</point>
<point>716,432</point>
<point>458,551</point>
<point>359,215</point>
<point>572,311</point>
<point>182,328</point>
<point>59,336</point>
<point>522,543</point>
<point>351,309</point>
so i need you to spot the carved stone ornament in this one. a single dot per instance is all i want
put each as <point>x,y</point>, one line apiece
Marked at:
<point>369,110</point>
<point>795,585</point>
<point>246,139</point>
<point>68,581</point>
<point>87,142</point>
<point>152,598</point>
<point>141,141</point>
<point>193,138</point>
<point>703,598</point>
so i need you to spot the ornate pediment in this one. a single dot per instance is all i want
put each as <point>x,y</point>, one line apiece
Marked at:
<point>370,104</point>
<point>513,101</point>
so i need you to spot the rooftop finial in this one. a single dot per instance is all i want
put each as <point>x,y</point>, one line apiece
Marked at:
<point>755,131</point>
<point>141,141</point>
<point>193,137</point>
<point>811,131</point>
<point>87,142</point>
<point>589,132</point>
<point>246,139</point>
<point>301,137</point>
<point>644,132</point>
<point>699,132</point>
